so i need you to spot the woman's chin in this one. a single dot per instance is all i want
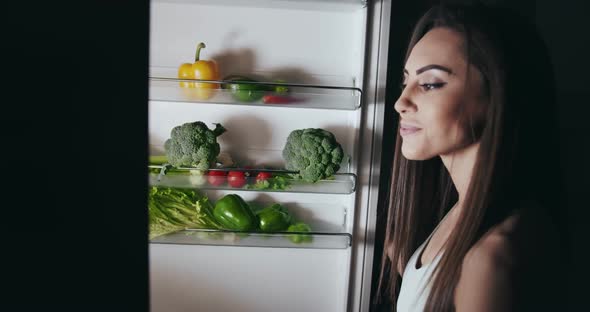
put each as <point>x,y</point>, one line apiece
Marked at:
<point>414,154</point>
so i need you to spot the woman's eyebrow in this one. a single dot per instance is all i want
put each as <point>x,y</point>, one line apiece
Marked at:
<point>433,66</point>
<point>429,67</point>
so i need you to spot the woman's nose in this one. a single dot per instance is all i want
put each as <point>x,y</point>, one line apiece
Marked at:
<point>404,104</point>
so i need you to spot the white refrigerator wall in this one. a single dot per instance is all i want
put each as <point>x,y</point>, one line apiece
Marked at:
<point>307,46</point>
<point>246,279</point>
<point>245,39</point>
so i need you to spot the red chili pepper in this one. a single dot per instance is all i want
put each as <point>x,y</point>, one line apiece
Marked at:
<point>279,99</point>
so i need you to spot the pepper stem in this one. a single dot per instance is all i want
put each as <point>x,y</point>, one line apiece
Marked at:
<point>199,47</point>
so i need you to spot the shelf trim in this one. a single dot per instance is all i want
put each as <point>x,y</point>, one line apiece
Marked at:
<point>281,234</point>
<point>299,85</point>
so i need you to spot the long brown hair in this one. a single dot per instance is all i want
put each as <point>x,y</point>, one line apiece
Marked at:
<point>514,144</point>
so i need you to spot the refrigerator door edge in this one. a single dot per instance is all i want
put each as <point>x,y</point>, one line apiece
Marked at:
<point>377,45</point>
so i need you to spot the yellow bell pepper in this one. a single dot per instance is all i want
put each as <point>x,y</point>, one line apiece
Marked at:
<point>200,69</point>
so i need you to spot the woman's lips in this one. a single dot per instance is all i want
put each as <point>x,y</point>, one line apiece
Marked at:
<point>408,130</point>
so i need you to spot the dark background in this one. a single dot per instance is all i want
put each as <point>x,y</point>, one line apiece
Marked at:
<point>74,128</point>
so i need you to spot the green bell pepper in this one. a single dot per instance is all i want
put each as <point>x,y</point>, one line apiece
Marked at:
<point>299,238</point>
<point>244,92</point>
<point>274,218</point>
<point>233,213</point>
<point>251,92</point>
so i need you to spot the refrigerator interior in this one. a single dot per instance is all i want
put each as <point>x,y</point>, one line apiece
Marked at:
<point>318,43</point>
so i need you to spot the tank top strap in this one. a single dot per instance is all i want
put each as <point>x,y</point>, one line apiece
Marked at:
<point>421,248</point>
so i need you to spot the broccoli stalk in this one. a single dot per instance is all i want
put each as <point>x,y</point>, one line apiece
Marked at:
<point>194,145</point>
<point>314,153</point>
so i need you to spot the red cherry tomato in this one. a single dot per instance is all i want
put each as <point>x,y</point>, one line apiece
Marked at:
<point>216,178</point>
<point>262,176</point>
<point>236,178</point>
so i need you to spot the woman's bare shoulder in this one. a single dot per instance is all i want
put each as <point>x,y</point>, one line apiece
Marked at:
<point>485,282</point>
<point>495,249</point>
<point>528,232</point>
<point>491,267</point>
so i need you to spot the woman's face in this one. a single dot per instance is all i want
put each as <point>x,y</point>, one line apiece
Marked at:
<point>439,97</point>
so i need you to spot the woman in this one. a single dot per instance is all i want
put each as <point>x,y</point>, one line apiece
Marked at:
<point>473,194</point>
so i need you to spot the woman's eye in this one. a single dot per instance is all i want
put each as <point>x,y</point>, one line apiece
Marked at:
<point>432,86</point>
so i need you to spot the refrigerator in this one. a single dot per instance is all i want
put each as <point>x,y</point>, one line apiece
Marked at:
<point>332,56</point>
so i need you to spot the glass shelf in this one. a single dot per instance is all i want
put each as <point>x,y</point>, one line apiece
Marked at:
<point>256,239</point>
<point>340,183</point>
<point>165,86</point>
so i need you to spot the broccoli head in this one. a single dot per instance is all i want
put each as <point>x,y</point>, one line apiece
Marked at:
<point>193,144</point>
<point>315,153</point>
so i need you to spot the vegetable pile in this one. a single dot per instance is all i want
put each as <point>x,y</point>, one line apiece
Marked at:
<point>246,179</point>
<point>175,209</point>
<point>249,179</point>
<point>313,152</point>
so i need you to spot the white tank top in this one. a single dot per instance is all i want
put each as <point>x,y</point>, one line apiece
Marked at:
<point>414,289</point>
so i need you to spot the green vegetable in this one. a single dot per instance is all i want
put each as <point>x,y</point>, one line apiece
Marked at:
<point>245,92</point>
<point>193,144</point>
<point>277,182</point>
<point>233,213</point>
<point>173,209</point>
<point>299,238</point>
<point>314,153</point>
<point>274,218</point>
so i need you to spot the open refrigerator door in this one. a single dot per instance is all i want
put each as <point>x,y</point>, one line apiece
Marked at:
<point>300,65</point>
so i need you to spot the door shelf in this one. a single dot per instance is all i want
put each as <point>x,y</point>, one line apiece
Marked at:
<point>166,87</point>
<point>340,183</point>
<point>256,239</point>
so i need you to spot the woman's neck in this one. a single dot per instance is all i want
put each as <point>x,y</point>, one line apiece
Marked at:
<point>460,166</point>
